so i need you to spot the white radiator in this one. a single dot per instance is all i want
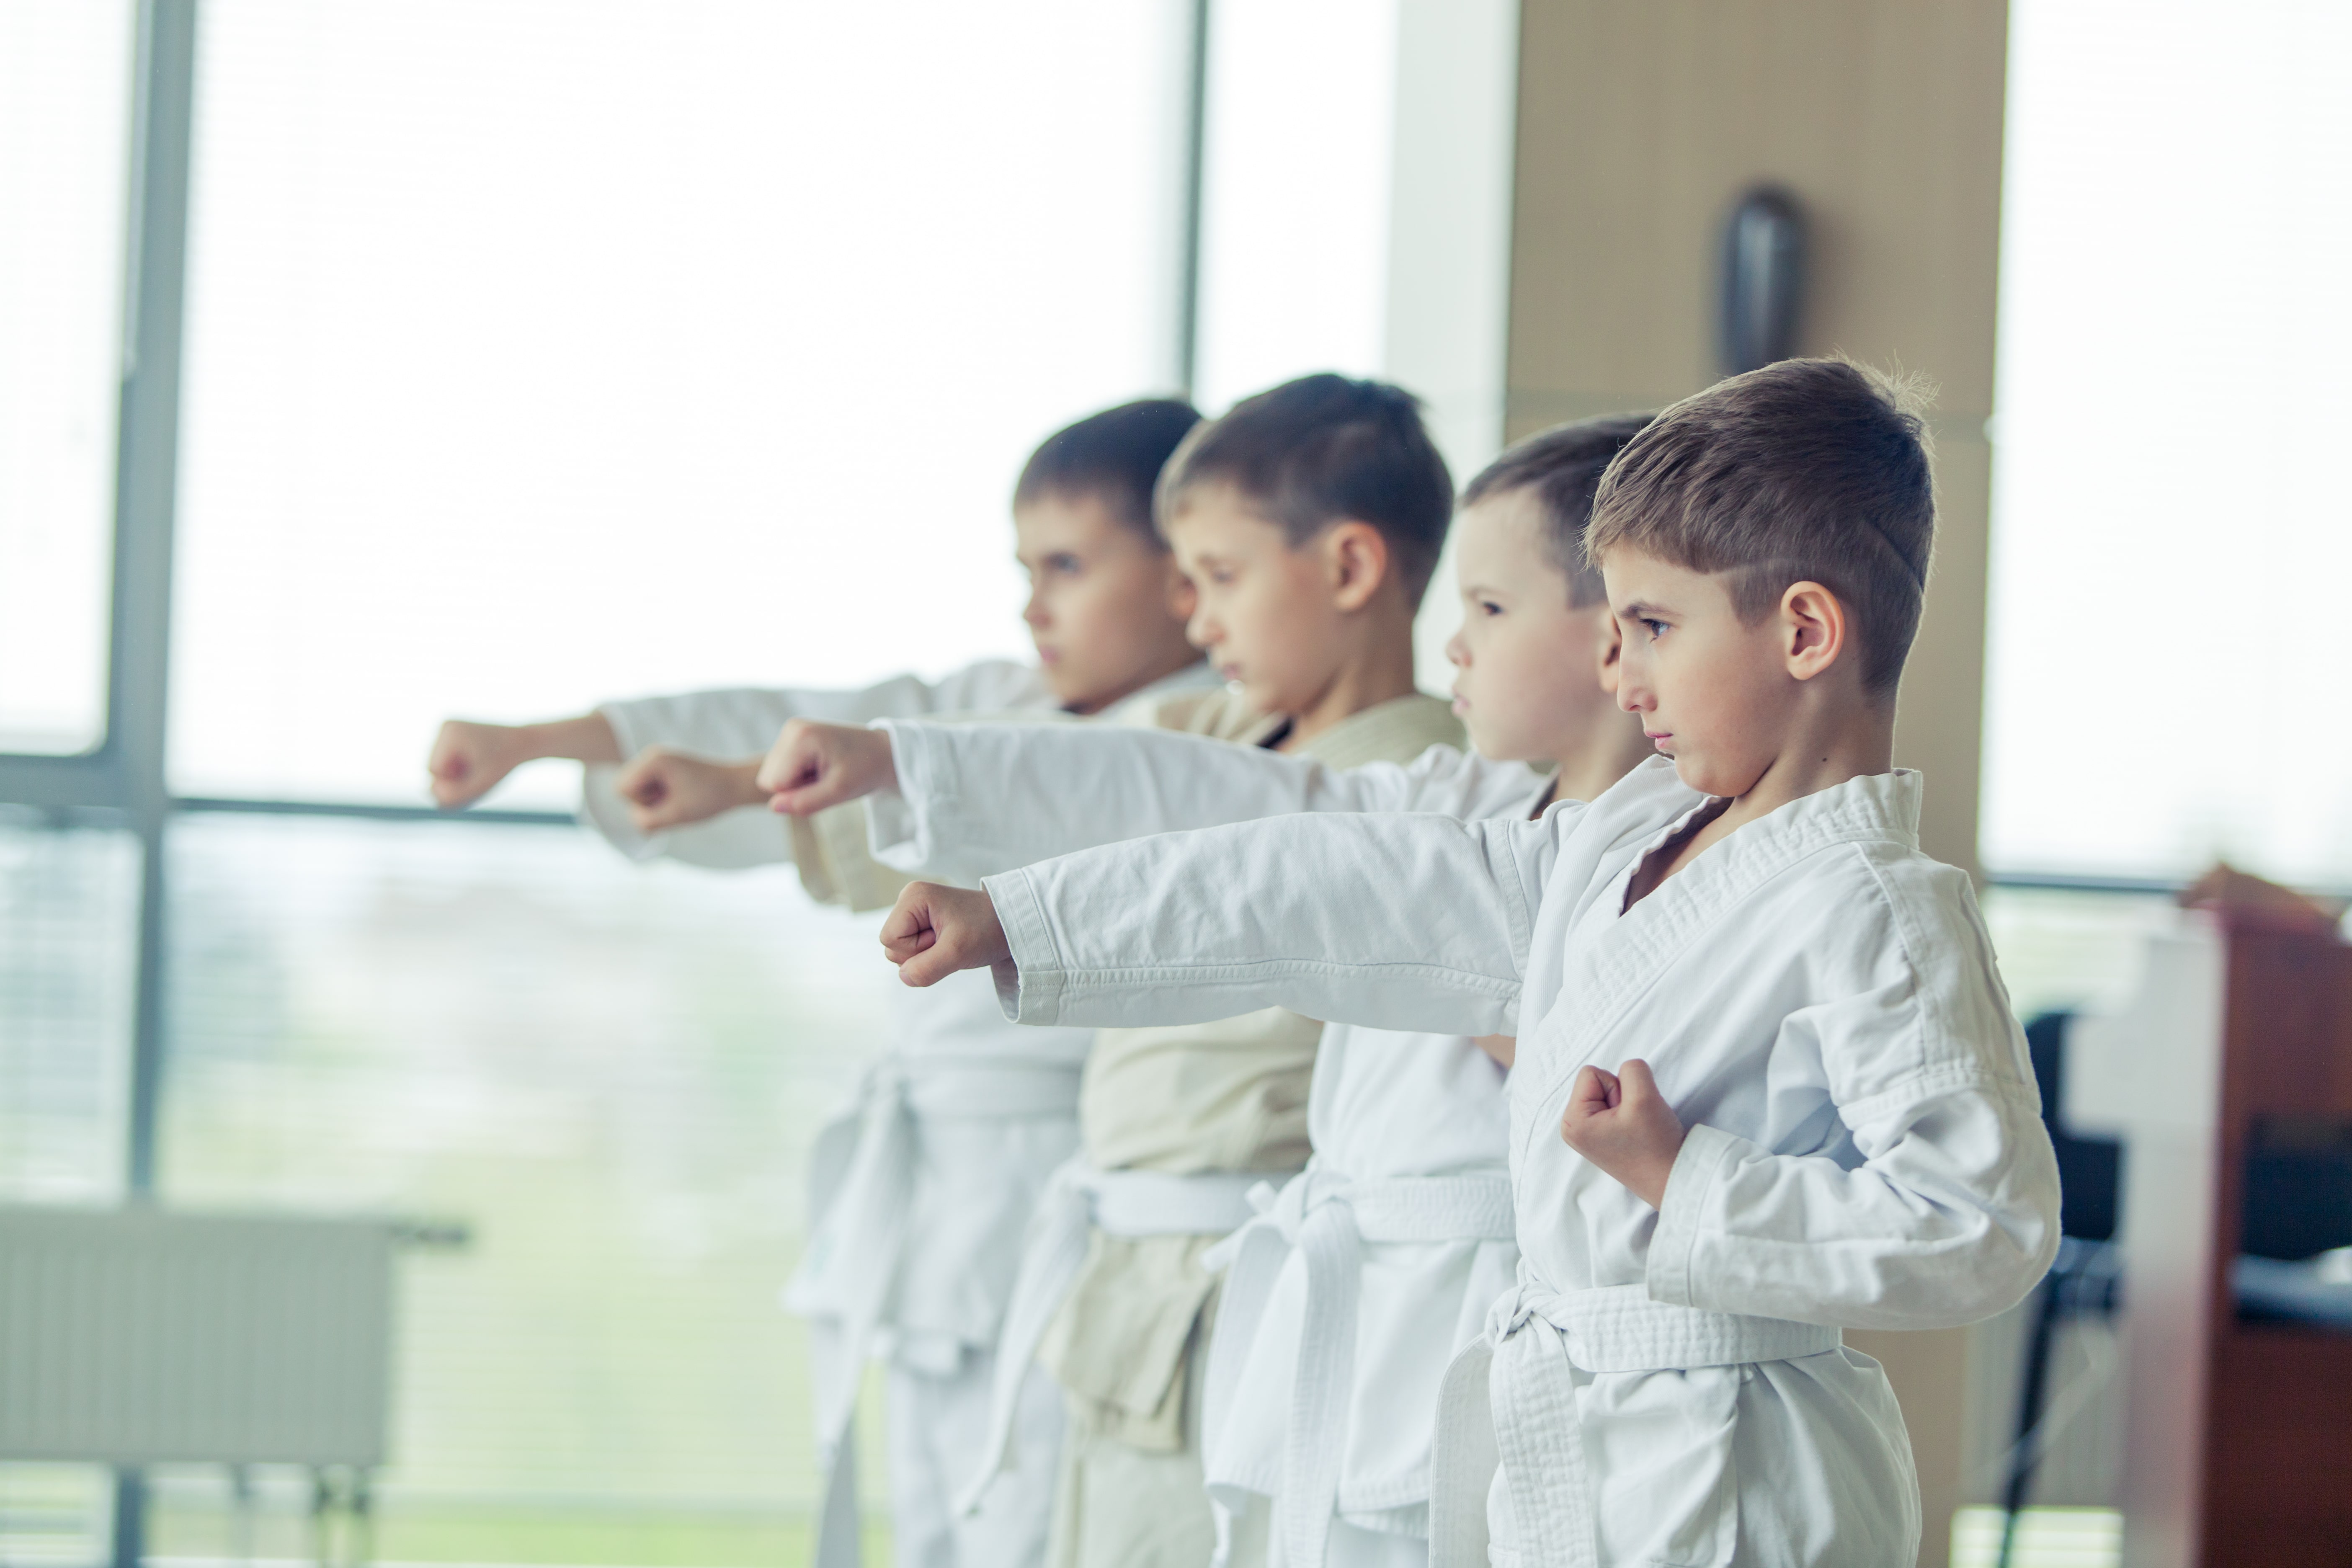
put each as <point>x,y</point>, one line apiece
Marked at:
<point>134,1336</point>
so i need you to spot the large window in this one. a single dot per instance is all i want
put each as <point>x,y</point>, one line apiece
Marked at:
<point>543,351</point>
<point>64,123</point>
<point>1296,193</point>
<point>502,359</point>
<point>610,1076</point>
<point>2170,640</point>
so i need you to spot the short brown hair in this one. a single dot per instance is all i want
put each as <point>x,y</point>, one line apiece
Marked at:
<point>1810,469</point>
<point>1113,457</point>
<point>1561,467</point>
<point>1325,447</point>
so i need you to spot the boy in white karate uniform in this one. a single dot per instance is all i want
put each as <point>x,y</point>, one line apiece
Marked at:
<point>1309,519</point>
<point>921,1189</point>
<point>1352,1290</point>
<point>1841,1129</point>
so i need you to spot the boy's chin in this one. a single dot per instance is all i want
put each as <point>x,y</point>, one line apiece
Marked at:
<point>1710,777</point>
<point>1499,747</point>
<point>1693,770</point>
<point>1072,689</point>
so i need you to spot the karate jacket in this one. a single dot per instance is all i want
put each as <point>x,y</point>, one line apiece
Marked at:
<point>1822,1008</point>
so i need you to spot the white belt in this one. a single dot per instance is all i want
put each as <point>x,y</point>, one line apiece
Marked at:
<point>1079,1198</point>
<point>1511,1398</point>
<point>1326,1218</point>
<point>861,1191</point>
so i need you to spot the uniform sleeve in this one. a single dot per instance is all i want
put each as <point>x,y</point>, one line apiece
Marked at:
<point>1952,1215</point>
<point>977,799</point>
<point>1411,922</point>
<point>731,725</point>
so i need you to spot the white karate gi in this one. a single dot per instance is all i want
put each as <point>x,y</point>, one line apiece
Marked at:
<point>1821,1005</point>
<point>1178,1125</point>
<point>1382,1258</point>
<point>921,1188</point>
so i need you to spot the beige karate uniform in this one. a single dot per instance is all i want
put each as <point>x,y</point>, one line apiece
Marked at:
<point>1200,1097</point>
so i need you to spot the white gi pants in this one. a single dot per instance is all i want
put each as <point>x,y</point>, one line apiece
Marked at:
<point>936,1426</point>
<point>941,1392</point>
<point>1599,1427</point>
<point>1078,1200</point>
<point>1328,1218</point>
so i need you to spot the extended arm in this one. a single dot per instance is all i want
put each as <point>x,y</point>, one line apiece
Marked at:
<point>737,727</point>
<point>469,758</point>
<point>1401,921</point>
<point>1953,1214</point>
<point>975,799</point>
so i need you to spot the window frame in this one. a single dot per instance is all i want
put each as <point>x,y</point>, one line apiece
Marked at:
<point>122,782</point>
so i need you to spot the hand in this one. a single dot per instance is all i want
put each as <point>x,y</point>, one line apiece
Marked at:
<point>1620,1122</point>
<point>933,932</point>
<point>815,765</point>
<point>468,760</point>
<point>667,788</point>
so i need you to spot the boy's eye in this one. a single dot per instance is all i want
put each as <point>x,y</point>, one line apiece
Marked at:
<point>1488,608</point>
<point>1657,629</point>
<point>1065,563</point>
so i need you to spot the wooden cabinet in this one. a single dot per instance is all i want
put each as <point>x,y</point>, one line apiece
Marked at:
<point>2240,1446</point>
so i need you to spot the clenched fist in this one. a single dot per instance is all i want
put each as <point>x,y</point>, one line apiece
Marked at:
<point>468,759</point>
<point>1621,1123</point>
<point>933,932</point>
<point>667,788</point>
<point>814,765</point>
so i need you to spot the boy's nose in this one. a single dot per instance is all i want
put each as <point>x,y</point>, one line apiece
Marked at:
<point>1456,653</point>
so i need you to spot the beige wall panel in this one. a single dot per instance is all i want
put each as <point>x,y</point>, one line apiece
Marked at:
<point>1640,123</point>
<point>1939,721</point>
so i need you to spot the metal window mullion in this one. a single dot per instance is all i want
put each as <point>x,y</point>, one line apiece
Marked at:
<point>146,480</point>
<point>147,449</point>
<point>1196,153</point>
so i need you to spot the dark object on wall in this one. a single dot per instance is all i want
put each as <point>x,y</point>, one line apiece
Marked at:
<point>1763,279</point>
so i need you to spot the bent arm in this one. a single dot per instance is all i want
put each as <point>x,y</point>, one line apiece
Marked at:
<point>976,799</point>
<point>1412,923</point>
<point>1951,1218</point>
<point>742,722</point>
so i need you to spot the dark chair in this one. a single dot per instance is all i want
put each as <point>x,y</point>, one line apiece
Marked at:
<point>2085,1280</point>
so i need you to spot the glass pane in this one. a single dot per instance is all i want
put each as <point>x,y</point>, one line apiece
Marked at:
<point>68,958</point>
<point>2063,951</point>
<point>56,1516</point>
<point>1294,192</point>
<point>65,126</point>
<point>675,345</point>
<point>2169,645</point>
<point>611,1075</point>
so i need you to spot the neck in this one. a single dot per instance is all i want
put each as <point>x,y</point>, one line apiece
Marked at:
<point>1379,673</point>
<point>1615,747</point>
<point>1852,745</point>
<point>1181,659</point>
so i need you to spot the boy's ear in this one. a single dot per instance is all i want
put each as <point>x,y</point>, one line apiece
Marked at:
<point>1357,558</point>
<point>1611,644</point>
<point>1814,628</point>
<point>1183,597</point>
